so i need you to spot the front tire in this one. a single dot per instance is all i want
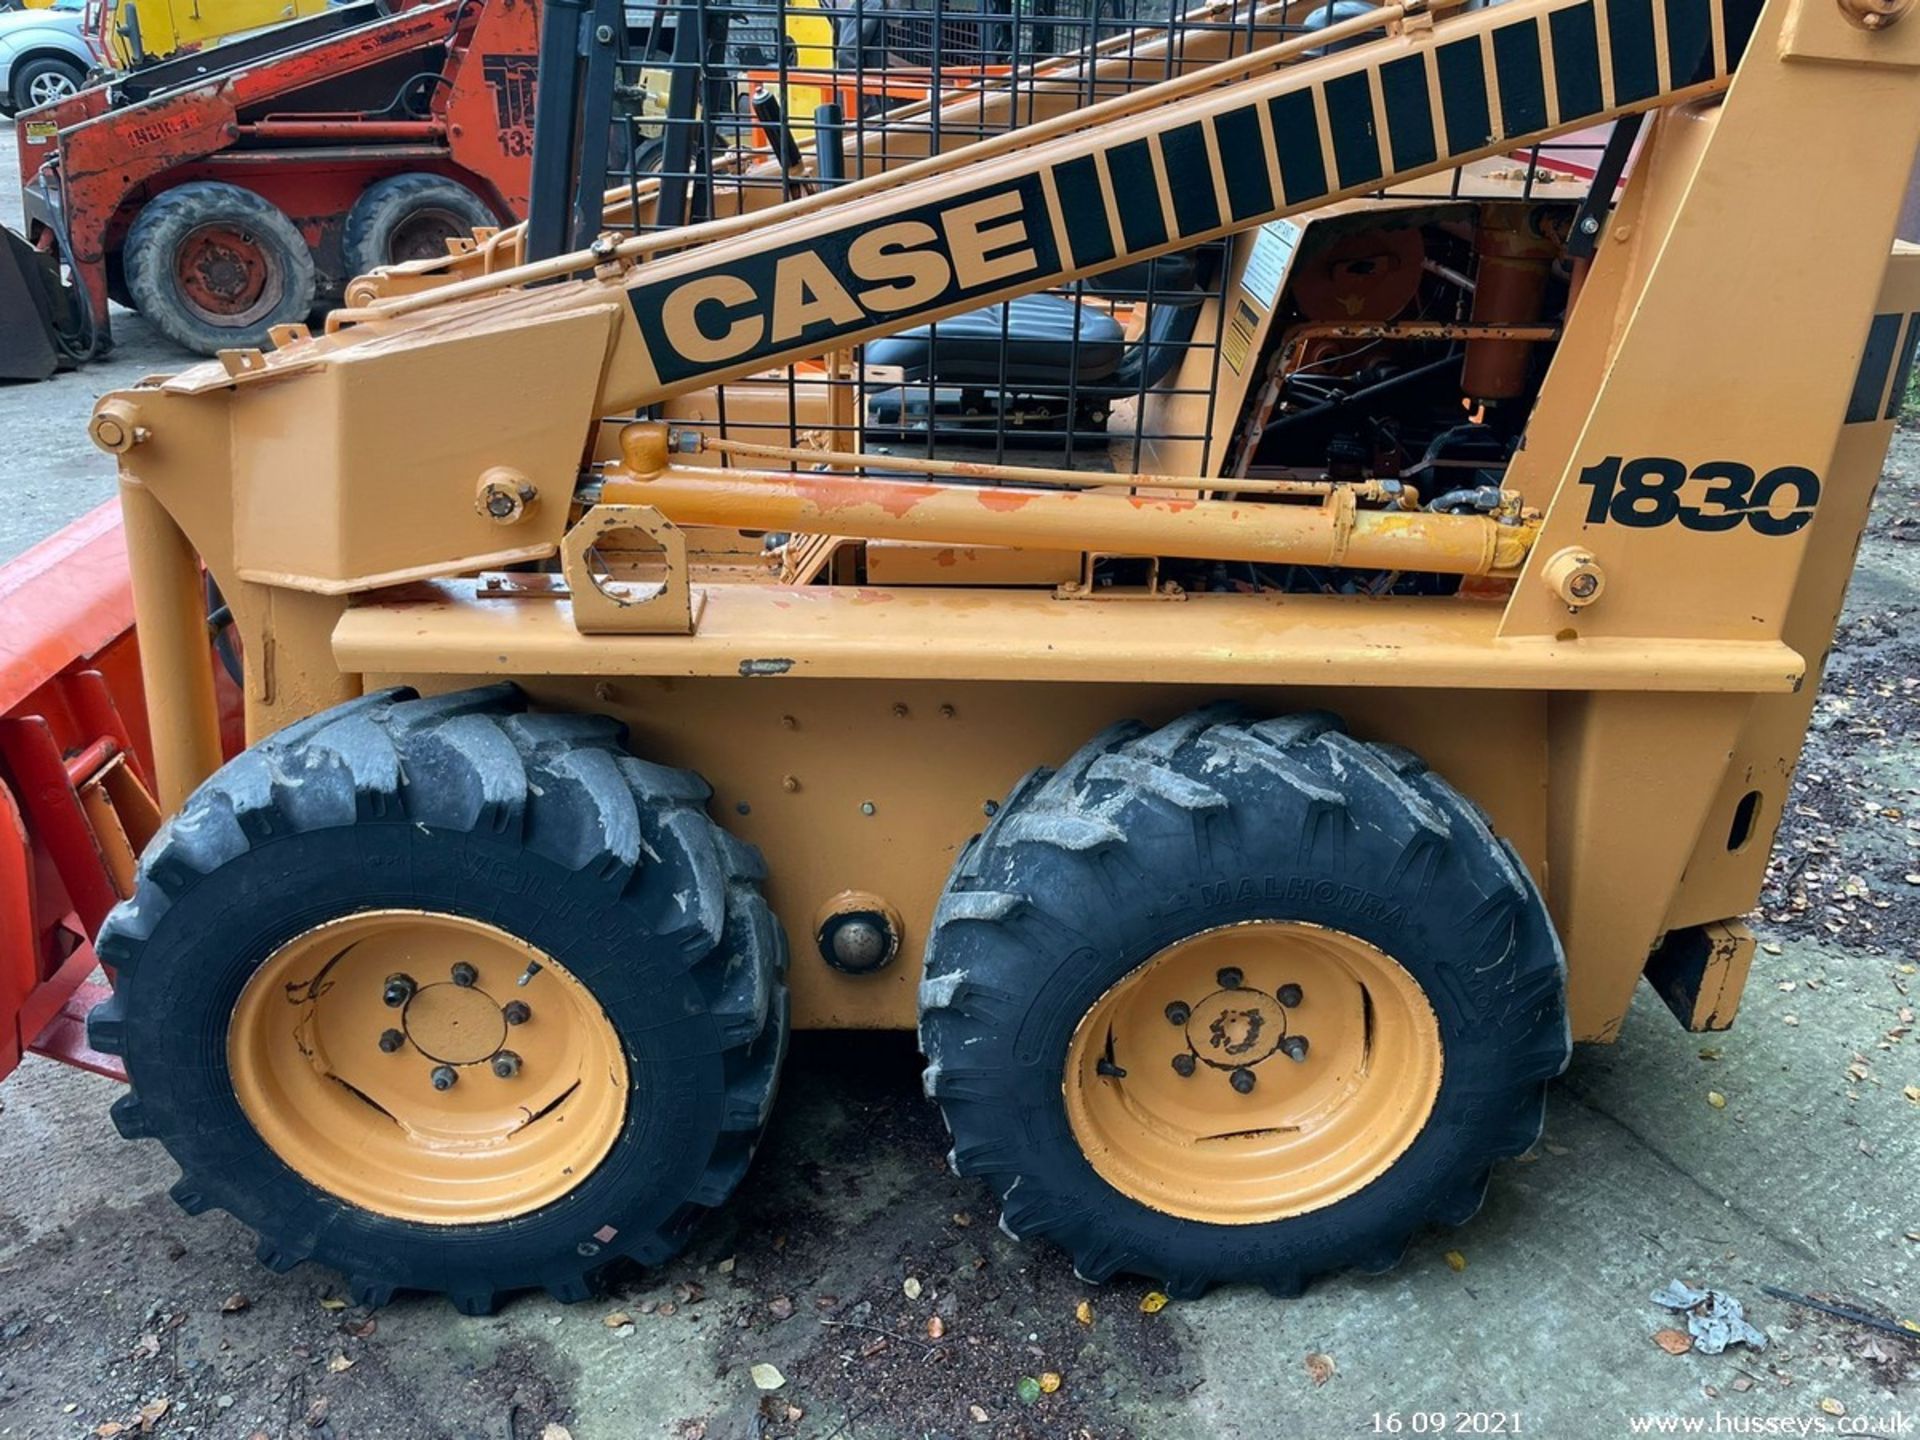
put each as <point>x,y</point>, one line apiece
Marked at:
<point>449,997</point>
<point>1126,961</point>
<point>214,267</point>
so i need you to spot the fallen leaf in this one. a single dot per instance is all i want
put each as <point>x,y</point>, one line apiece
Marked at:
<point>616,1319</point>
<point>332,1304</point>
<point>1456,1262</point>
<point>147,1346</point>
<point>556,1431</point>
<point>962,1219</point>
<point>768,1377</point>
<point>1320,1368</point>
<point>1049,1382</point>
<point>795,1414</point>
<point>340,1364</point>
<point>1152,1303</point>
<point>1083,1312</point>
<point>316,1412</point>
<point>910,1287</point>
<point>234,1304</point>
<point>725,1267</point>
<point>109,1429</point>
<point>936,1327</point>
<point>978,1413</point>
<point>362,1329</point>
<point>780,1307</point>
<point>1674,1342</point>
<point>667,1307</point>
<point>1912,1092</point>
<point>1743,1383</point>
<point>152,1412</point>
<point>1716,1099</point>
<point>1833,1406</point>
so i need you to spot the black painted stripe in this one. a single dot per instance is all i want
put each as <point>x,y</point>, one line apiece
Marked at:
<point>1356,146</point>
<point>1138,194</point>
<point>1403,85</point>
<point>1084,210</point>
<point>1296,136</point>
<point>1636,70</point>
<point>1741,17</point>
<point>1183,151</point>
<point>1522,78</point>
<point>1870,386</point>
<point>1575,34</point>
<point>1689,41</point>
<point>1243,157</point>
<point>1903,377</point>
<point>1463,96</point>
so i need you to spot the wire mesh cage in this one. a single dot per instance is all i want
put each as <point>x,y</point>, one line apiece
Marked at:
<point>1164,366</point>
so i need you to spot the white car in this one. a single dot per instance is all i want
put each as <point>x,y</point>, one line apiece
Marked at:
<point>43,55</point>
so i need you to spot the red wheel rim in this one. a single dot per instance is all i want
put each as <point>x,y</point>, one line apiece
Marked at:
<point>227,275</point>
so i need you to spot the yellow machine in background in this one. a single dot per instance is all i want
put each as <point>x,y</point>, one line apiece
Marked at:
<point>136,32</point>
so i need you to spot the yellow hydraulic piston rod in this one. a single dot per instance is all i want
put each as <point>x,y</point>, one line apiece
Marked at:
<point>1334,532</point>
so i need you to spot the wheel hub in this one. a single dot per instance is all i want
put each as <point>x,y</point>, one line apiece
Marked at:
<point>457,1024</point>
<point>1232,1029</point>
<point>371,1053</point>
<point>1307,1066</point>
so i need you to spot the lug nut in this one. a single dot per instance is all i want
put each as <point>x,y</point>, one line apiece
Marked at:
<point>391,1040</point>
<point>443,1077</point>
<point>1242,1080</point>
<point>1183,1063</point>
<point>1178,1013</point>
<point>464,974</point>
<point>517,1012</point>
<point>399,991</point>
<point>1229,978</point>
<point>1294,1047</point>
<point>1288,995</point>
<point>506,1064</point>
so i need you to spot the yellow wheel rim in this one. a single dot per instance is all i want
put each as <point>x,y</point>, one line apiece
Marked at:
<point>395,1059</point>
<point>1253,1072</point>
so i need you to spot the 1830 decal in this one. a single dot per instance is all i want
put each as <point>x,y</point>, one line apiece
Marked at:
<point>1652,491</point>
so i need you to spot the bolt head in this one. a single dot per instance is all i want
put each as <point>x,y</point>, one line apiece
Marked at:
<point>1183,1063</point>
<point>443,1077</point>
<point>1289,995</point>
<point>1229,978</point>
<point>506,1064</point>
<point>517,1012</point>
<point>464,974</point>
<point>1294,1047</point>
<point>391,1040</point>
<point>399,991</point>
<point>1242,1080</point>
<point>1178,1013</point>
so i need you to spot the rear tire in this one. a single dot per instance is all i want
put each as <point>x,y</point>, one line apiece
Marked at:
<point>457,809</point>
<point>409,217</point>
<point>1219,830</point>
<point>214,267</point>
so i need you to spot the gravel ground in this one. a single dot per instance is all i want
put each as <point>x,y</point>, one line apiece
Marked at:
<point>850,1240</point>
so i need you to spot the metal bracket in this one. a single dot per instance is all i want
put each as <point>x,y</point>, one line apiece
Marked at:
<point>604,604</point>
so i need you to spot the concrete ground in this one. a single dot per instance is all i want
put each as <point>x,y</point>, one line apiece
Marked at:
<point>116,1310</point>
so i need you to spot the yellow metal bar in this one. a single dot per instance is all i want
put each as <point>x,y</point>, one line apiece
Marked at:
<point>1228,642</point>
<point>176,662</point>
<point>1334,532</point>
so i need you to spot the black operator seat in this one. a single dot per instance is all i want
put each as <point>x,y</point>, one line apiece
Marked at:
<point>1052,340</point>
